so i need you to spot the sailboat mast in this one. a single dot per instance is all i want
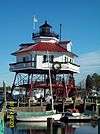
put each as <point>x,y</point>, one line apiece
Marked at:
<point>50,81</point>
<point>5,101</point>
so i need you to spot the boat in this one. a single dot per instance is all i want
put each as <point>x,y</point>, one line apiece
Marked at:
<point>72,115</point>
<point>2,121</point>
<point>74,112</point>
<point>37,116</point>
<point>30,125</point>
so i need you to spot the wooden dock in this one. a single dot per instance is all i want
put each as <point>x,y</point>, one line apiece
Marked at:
<point>2,112</point>
<point>2,121</point>
<point>1,115</point>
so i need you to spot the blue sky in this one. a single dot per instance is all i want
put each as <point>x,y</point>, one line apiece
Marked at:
<point>80,21</point>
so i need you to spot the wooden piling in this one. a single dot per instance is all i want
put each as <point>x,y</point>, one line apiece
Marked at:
<point>18,102</point>
<point>2,120</point>
<point>98,125</point>
<point>63,105</point>
<point>50,122</point>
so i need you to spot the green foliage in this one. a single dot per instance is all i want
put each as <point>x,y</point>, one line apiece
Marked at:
<point>96,78</point>
<point>89,82</point>
<point>93,81</point>
<point>8,88</point>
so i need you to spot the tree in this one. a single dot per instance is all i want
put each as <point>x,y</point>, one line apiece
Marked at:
<point>89,82</point>
<point>96,78</point>
<point>93,81</point>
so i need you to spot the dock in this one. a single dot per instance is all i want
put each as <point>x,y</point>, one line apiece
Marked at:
<point>2,121</point>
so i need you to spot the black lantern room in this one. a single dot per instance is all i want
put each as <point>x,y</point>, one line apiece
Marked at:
<point>46,31</point>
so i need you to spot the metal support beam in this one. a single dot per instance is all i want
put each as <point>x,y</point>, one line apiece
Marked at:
<point>13,83</point>
<point>28,82</point>
<point>31,85</point>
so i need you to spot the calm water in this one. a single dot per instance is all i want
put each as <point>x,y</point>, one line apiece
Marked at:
<point>76,128</point>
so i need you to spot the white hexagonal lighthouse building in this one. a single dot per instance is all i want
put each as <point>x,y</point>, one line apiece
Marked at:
<point>46,55</point>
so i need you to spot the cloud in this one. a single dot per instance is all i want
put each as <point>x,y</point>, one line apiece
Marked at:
<point>89,64</point>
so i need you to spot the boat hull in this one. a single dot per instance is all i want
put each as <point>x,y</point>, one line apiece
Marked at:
<point>81,118</point>
<point>38,118</point>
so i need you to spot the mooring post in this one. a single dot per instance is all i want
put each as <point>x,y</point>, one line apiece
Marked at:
<point>5,101</point>
<point>29,102</point>
<point>50,125</point>
<point>98,125</point>
<point>85,104</point>
<point>18,102</point>
<point>63,105</point>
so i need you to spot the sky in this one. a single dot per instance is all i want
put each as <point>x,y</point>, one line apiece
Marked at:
<point>80,21</point>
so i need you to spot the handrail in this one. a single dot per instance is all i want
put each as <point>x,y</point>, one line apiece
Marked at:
<point>22,62</point>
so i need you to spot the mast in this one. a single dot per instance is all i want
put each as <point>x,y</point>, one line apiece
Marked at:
<point>60,31</point>
<point>50,82</point>
<point>5,101</point>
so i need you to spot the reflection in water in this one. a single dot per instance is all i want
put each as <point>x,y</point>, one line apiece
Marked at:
<point>31,131</point>
<point>24,131</point>
<point>81,128</point>
<point>25,128</point>
<point>72,128</point>
<point>67,130</point>
<point>1,126</point>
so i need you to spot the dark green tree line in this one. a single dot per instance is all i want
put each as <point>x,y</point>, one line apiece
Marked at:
<point>93,81</point>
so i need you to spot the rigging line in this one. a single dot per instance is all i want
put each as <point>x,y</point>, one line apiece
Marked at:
<point>50,80</point>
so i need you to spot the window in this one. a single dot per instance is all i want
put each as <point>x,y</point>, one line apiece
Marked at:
<point>66,59</point>
<point>51,57</point>
<point>45,58</point>
<point>24,59</point>
<point>70,60</point>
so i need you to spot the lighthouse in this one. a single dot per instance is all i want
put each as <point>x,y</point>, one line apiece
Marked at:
<point>46,55</point>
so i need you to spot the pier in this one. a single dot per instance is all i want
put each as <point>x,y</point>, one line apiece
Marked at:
<point>2,121</point>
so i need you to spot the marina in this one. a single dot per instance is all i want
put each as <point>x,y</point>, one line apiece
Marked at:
<point>44,79</point>
<point>72,128</point>
<point>44,72</point>
<point>44,97</point>
<point>2,121</point>
<point>44,86</point>
<point>49,67</point>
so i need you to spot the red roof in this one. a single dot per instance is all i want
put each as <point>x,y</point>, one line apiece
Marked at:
<point>52,47</point>
<point>43,46</point>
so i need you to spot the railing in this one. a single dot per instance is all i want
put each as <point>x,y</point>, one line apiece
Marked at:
<point>32,65</point>
<point>50,34</point>
<point>71,67</point>
<point>22,65</point>
<point>63,66</point>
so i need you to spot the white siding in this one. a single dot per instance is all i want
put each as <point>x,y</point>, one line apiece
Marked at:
<point>19,58</point>
<point>58,58</point>
<point>39,64</point>
<point>39,61</point>
<point>34,56</point>
<point>69,46</point>
<point>67,58</point>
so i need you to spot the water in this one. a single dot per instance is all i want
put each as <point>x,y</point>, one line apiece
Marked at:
<point>1,126</point>
<point>29,128</point>
<point>76,128</point>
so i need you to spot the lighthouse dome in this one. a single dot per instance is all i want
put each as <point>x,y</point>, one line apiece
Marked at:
<point>45,32</point>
